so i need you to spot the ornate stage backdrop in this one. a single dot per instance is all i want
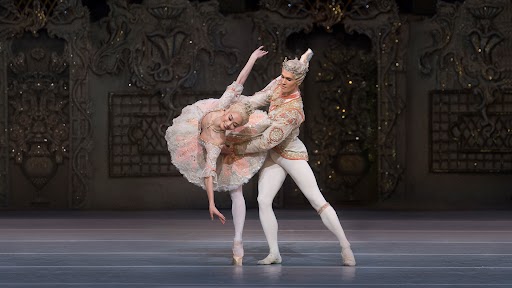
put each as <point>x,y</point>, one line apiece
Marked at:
<point>402,110</point>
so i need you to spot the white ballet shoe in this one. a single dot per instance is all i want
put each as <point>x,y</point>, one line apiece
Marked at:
<point>271,259</point>
<point>348,257</point>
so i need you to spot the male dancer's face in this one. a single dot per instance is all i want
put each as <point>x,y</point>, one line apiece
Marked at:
<point>288,83</point>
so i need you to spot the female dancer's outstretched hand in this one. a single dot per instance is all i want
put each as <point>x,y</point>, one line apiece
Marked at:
<point>215,212</point>
<point>258,53</point>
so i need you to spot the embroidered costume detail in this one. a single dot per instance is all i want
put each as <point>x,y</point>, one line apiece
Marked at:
<point>325,206</point>
<point>275,136</point>
<point>287,115</point>
<point>291,155</point>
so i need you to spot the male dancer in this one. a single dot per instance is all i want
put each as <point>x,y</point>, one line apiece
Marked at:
<point>287,155</point>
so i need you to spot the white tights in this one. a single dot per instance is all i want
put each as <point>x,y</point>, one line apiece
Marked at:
<point>238,212</point>
<point>272,176</point>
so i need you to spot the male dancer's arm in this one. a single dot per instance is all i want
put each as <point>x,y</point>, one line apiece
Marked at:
<point>282,125</point>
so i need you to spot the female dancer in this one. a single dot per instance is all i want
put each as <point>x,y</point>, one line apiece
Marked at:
<point>197,137</point>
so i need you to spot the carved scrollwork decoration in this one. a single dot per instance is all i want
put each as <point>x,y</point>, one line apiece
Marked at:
<point>441,27</point>
<point>272,28</point>
<point>344,134</point>
<point>380,21</point>
<point>12,22</point>
<point>273,34</point>
<point>70,21</point>
<point>323,13</point>
<point>39,130</point>
<point>287,18</point>
<point>470,43</point>
<point>55,89</point>
<point>160,42</point>
<point>465,37</point>
<point>8,17</point>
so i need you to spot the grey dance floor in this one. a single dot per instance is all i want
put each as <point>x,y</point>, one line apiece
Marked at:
<point>186,249</point>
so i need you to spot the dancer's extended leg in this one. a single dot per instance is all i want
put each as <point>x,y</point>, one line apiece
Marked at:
<point>271,178</point>
<point>238,211</point>
<point>303,176</point>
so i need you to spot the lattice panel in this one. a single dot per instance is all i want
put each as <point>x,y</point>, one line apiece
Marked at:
<point>137,125</point>
<point>462,140</point>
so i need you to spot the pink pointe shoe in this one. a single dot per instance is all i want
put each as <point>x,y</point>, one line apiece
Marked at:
<point>238,253</point>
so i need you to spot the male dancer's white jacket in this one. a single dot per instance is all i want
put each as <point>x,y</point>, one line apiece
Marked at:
<point>286,115</point>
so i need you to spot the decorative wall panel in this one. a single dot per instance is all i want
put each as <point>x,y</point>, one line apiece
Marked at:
<point>38,94</point>
<point>379,20</point>
<point>471,128</point>
<point>344,130</point>
<point>48,114</point>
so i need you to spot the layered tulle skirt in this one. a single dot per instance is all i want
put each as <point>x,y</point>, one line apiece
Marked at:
<point>189,156</point>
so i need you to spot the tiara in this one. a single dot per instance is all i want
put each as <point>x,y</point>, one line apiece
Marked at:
<point>248,107</point>
<point>243,107</point>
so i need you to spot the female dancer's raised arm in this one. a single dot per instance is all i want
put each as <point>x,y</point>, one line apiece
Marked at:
<point>258,53</point>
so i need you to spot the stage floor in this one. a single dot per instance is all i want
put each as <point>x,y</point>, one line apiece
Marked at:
<point>186,249</point>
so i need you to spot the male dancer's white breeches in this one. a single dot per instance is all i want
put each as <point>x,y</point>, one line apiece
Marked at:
<point>272,176</point>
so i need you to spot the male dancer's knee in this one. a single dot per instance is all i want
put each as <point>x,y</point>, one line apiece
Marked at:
<point>264,202</point>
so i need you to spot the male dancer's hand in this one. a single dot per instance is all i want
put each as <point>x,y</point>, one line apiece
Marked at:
<point>215,212</point>
<point>227,149</point>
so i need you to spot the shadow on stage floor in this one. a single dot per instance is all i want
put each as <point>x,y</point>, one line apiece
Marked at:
<point>186,249</point>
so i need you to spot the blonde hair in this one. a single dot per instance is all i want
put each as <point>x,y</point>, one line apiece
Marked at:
<point>245,110</point>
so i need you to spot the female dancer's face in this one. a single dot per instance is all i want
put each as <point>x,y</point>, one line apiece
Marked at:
<point>230,120</point>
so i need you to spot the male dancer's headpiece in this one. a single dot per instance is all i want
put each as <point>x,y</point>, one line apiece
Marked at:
<point>299,68</point>
<point>244,108</point>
